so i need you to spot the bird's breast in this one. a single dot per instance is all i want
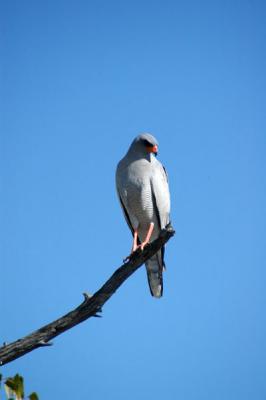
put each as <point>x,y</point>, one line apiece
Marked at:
<point>139,194</point>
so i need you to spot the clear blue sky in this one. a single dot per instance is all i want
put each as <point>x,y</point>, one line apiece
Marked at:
<point>79,80</point>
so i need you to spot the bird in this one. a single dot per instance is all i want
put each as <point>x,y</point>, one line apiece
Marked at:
<point>143,192</point>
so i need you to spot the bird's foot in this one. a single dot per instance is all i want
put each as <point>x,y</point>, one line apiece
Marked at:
<point>142,245</point>
<point>148,236</point>
<point>134,248</point>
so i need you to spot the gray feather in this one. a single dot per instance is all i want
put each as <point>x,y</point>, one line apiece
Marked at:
<point>143,191</point>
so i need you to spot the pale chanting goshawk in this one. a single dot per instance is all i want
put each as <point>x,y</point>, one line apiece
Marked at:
<point>143,191</point>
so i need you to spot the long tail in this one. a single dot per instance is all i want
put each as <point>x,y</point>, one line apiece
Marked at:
<point>154,267</point>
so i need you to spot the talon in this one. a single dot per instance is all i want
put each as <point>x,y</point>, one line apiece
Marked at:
<point>135,242</point>
<point>135,245</point>
<point>143,245</point>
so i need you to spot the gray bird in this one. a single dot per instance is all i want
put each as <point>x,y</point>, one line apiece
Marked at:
<point>143,192</point>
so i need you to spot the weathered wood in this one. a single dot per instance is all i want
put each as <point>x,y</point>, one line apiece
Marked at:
<point>91,306</point>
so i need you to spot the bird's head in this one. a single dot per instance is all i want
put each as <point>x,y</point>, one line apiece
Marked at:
<point>145,144</point>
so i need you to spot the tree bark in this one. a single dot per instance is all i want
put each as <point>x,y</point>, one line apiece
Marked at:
<point>90,307</point>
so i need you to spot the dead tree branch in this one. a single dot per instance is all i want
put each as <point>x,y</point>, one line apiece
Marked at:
<point>90,307</point>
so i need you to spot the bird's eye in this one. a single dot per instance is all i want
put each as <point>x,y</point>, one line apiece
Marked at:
<point>147,143</point>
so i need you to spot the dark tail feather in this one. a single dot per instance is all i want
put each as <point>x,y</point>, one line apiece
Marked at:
<point>154,267</point>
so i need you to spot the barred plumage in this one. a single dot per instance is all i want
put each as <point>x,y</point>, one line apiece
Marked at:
<point>143,192</point>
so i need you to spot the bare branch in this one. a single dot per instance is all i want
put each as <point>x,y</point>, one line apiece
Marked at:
<point>91,306</point>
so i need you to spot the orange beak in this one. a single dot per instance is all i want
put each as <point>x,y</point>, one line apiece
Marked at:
<point>152,149</point>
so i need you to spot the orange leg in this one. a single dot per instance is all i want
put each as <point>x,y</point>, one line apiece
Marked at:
<point>148,236</point>
<point>135,241</point>
<point>135,245</point>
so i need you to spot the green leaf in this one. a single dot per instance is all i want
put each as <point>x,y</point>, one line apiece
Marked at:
<point>10,384</point>
<point>15,385</point>
<point>33,396</point>
<point>9,392</point>
<point>19,381</point>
